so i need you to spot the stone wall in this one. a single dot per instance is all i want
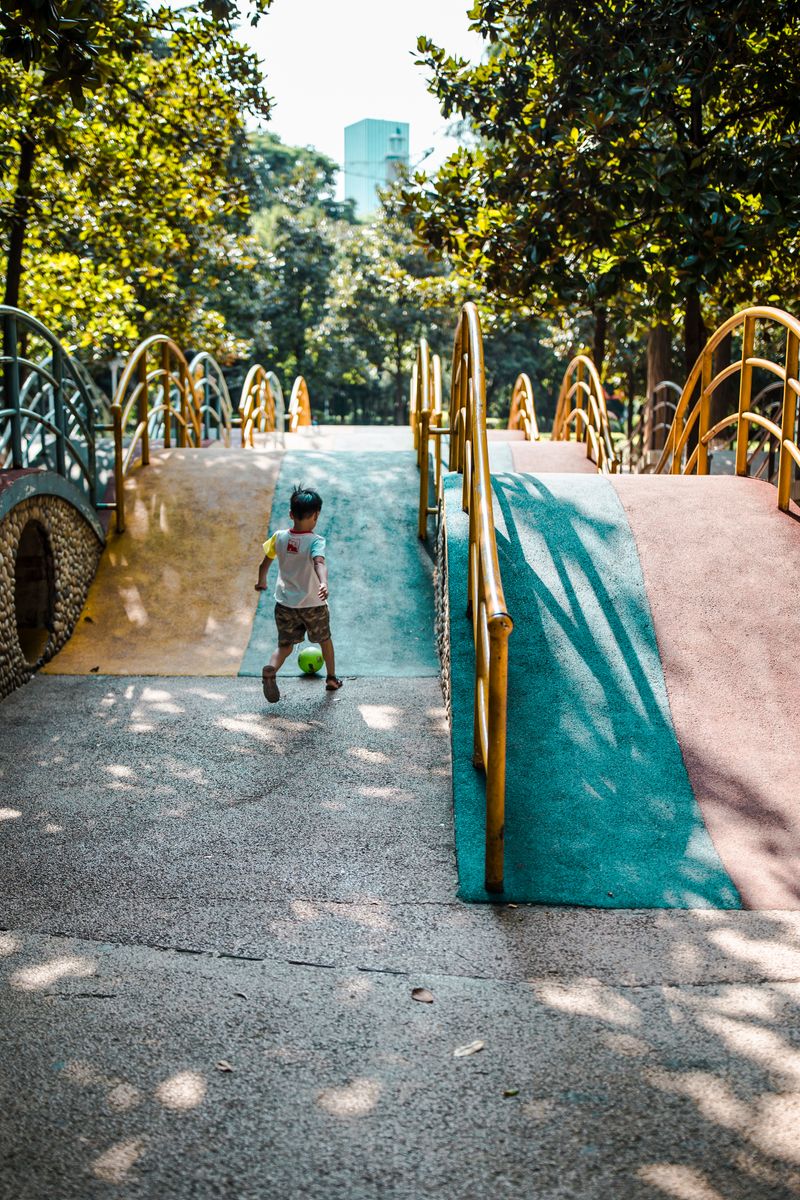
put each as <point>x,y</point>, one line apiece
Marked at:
<point>72,550</point>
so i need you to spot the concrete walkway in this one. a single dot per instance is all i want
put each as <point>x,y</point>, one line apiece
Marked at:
<point>212,917</point>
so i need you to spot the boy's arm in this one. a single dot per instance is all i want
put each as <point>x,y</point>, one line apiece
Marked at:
<point>270,551</point>
<point>263,567</point>
<point>321,568</point>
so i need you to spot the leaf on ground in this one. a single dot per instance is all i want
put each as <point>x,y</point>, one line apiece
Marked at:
<point>89,619</point>
<point>94,670</point>
<point>511,1092</point>
<point>470,1048</point>
<point>242,994</point>
<point>224,1065</point>
<point>423,995</point>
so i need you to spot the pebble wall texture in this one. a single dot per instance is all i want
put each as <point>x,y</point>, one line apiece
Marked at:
<point>75,550</point>
<point>443,611</point>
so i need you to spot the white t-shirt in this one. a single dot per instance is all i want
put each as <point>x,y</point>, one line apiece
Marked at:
<point>298,585</point>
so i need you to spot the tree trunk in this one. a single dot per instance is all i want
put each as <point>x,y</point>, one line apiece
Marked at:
<point>695,334</point>
<point>725,399</point>
<point>599,348</point>
<point>19,220</point>
<point>659,369</point>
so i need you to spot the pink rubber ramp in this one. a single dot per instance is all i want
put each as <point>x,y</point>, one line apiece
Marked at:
<point>721,566</point>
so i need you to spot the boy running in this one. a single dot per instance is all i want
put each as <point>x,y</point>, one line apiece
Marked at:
<point>301,591</point>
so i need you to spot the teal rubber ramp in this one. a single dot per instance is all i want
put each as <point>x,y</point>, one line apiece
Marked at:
<point>599,808</point>
<point>380,577</point>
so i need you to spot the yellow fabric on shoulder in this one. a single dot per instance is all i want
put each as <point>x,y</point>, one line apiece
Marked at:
<point>270,547</point>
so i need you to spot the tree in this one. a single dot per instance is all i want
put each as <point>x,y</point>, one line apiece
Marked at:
<point>136,181</point>
<point>637,152</point>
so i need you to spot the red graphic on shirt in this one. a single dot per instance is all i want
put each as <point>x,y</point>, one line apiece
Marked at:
<point>292,547</point>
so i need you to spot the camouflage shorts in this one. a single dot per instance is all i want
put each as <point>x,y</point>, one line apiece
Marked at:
<point>295,624</point>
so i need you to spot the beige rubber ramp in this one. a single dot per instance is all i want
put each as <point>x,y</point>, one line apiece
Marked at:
<point>174,594</point>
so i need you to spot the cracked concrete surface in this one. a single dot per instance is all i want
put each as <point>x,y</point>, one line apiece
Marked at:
<point>214,914</point>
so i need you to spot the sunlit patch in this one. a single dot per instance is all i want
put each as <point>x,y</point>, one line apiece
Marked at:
<point>34,979</point>
<point>772,957</point>
<point>113,1165</point>
<point>123,1097</point>
<point>370,756</point>
<point>353,1100</point>
<point>352,990</point>
<point>743,1001</point>
<point>714,1097</point>
<point>626,1045</point>
<point>119,771</point>
<point>371,916</point>
<point>9,944</point>
<point>393,795</point>
<point>682,1182</point>
<point>762,1046</point>
<point>77,1070</point>
<point>184,1090</point>
<point>303,910</point>
<point>139,727</point>
<point>589,1000</point>
<point>539,1110</point>
<point>379,716</point>
<point>332,805</point>
<point>9,814</point>
<point>252,726</point>
<point>51,827</point>
<point>134,607</point>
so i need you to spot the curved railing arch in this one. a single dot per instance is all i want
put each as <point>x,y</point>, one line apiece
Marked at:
<point>214,400</point>
<point>299,412</point>
<point>582,406</point>
<point>692,419</point>
<point>491,624</point>
<point>522,414</point>
<point>49,414</point>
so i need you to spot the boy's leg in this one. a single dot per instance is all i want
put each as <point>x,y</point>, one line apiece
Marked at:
<point>268,680</point>
<point>333,683</point>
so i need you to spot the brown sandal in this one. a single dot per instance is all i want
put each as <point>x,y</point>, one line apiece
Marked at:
<point>270,685</point>
<point>332,683</point>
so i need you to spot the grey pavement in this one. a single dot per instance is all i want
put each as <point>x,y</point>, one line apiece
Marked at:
<point>192,881</point>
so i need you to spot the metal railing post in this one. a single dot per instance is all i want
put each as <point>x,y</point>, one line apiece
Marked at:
<point>11,378</point>
<point>424,485</point>
<point>144,413</point>
<point>745,389</point>
<point>119,481</point>
<point>788,417</point>
<point>59,416</point>
<point>166,396</point>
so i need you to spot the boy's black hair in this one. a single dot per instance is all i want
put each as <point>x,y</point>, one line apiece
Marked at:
<point>304,502</point>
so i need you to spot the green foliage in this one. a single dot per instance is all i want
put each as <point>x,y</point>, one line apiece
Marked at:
<point>136,188</point>
<point>636,154</point>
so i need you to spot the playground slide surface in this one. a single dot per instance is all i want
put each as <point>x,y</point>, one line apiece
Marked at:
<point>381,588</point>
<point>599,809</point>
<point>174,594</point>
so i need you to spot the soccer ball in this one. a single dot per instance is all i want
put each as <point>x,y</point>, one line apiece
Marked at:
<point>310,660</point>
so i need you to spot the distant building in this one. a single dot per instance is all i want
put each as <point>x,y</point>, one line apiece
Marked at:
<point>373,153</point>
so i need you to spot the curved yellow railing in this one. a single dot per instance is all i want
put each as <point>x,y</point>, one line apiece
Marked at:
<point>299,411</point>
<point>522,414</point>
<point>426,422</point>
<point>157,367</point>
<point>213,397</point>
<point>582,405</point>
<point>693,423</point>
<point>257,405</point>
<point>491,624</point>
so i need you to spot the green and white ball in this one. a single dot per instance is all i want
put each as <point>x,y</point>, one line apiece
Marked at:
<point>310,660</point>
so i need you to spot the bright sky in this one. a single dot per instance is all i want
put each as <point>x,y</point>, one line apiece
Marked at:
<point>332,62</point>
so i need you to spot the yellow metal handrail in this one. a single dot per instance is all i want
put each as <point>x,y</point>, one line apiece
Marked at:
<point>426,422</point>
<point>696,421</point>
<point>299,411</point>
<point>178,398</point>
<point>212,394</point>
<point>257,405</point>
<point>523,409</point>
<point>491,624</point>
<point>582,404</point>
